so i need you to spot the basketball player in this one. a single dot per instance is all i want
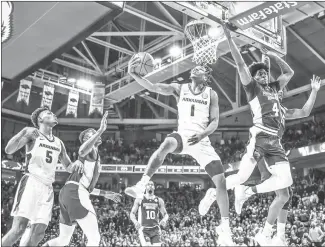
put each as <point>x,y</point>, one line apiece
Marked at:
<point>75,204</point>
<point>198,117</point>
<point>264,140</point>
<point>148,216</point>
<point>290,114</point>
<point>34,197</point>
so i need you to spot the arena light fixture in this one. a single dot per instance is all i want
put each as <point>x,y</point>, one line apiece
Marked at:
<point>83,83</point>
<point>175,51</point>
<point>215,32</point>
<point>72,80</point>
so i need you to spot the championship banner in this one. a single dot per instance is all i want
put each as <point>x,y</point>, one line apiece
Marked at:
<point>24,91</point>
<point>97,99</point>
<point>48,93</point>
<point>73,103</point>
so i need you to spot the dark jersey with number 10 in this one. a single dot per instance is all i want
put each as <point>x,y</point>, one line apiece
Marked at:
<point>149,212</point>
<point>265,106</point>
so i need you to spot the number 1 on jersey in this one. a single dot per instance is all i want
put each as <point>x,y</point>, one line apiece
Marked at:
<point>192,110</point>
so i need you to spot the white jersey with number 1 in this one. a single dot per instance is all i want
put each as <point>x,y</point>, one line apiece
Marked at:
<point>193,109</point>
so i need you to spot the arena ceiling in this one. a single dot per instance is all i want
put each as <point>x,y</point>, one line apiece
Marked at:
<point>98,46</point>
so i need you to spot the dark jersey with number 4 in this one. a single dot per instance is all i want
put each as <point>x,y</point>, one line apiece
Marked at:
<point>265,106</point>
<point>149,212</point>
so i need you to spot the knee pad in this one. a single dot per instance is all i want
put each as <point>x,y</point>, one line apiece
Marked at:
<point>288,203</point>
<point>214,168</point>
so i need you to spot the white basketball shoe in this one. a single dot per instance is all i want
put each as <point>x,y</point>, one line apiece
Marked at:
<point>136,191</point>
<point>206,202</point>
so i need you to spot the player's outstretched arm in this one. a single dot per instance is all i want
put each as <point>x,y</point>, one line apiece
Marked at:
<point>161,88</point>
<point>133,213</point>
<point>25,137</point>
<point>163,211</point>
<point>305,111</point>
<point>245,75</point>
<point>88,145</point>
<point>287,72</point>
<point>66,162</point>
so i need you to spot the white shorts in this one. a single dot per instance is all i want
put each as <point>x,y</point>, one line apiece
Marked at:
<point>33,200</point>
<point>203,151</point>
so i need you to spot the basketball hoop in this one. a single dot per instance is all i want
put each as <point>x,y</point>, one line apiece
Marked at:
<point>205,40</point>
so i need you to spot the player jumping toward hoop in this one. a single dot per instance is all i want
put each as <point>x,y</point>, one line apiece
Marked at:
<point>198,117</point>
<point>290,114</point>
<point>148,224</point>
<point>75,204</point>
<point>34,197</point>
<point>264,140</point>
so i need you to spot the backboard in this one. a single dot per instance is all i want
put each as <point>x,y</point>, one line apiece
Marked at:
<point>259,23</point>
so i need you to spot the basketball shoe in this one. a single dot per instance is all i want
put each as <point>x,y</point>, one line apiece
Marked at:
<point>206,202</point>
<point>225,235</point>
<point>136,191</point>
<point>279,241</point>
<point>263,240</point>
<point>240,197</point>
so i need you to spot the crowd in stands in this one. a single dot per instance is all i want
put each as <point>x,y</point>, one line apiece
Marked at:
<point>139,152</point>
<point>186,227</point>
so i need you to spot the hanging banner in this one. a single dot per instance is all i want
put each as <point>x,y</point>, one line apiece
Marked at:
<point>73,103</point>
<point>48,93</point>
<point>97,99</point>
<point>24,91</point>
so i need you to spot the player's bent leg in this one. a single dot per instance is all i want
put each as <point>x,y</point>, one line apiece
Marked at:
<point>173,143</point>
<point>216,172</point>
<point>17,230</point>
<point>246,168</point>
<point>280,179</point>
<point>279,239</point>
<point>89,226</point>
<point>36,234</point>
<point>64,238</point>
<point>282,196</point>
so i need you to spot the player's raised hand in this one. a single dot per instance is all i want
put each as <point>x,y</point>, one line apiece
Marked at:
<point>77,166</point>
<point>315,83</point>
<point>103,123</point>
<point>115,197</point>
<point>31,133</point>
<point>194,139</point>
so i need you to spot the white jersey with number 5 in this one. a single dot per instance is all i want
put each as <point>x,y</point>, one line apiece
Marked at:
<point>193,109</point>
<point>42,160</point>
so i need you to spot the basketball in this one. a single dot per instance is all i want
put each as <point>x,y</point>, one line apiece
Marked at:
<point>146,64</point>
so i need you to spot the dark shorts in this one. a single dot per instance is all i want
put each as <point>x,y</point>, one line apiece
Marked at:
<point>71,208</point>
<point>151,235</point>
<point>269,147</point>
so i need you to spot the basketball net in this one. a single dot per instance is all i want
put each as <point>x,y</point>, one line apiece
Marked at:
<point>205,41</point>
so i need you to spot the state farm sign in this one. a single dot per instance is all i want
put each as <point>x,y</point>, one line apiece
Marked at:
<point>262,13</point>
